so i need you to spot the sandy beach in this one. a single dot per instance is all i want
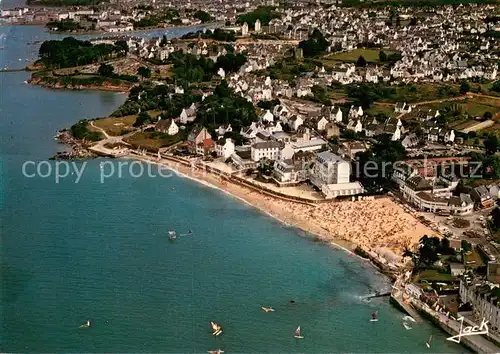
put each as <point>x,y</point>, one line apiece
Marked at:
<point>379,225</point>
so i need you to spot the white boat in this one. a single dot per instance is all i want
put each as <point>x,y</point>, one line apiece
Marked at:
<point>407,326</point>
<point>217,330</point>
<point>172,235</point>
<point>85,325</point>
<point>374,317</point>
<point>218,351</point>
<point>267,309</point>
<point>297,333</point>
<point>428,343</point>
<point>409,318</point>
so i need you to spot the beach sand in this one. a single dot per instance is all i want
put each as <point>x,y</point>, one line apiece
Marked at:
<point>379,225</point>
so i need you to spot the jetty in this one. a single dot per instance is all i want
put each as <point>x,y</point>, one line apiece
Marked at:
<point>12,70</point>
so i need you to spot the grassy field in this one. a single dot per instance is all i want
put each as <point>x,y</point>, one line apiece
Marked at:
<point>473,257</point>
<point>152,141</point>
<point>370,55</point>
<point>116,126</point>
<point>433,275</point>
<point>377,108</point>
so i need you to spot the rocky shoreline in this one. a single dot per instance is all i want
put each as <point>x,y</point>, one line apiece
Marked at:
<point>77,148</point>
<point>58,85</point>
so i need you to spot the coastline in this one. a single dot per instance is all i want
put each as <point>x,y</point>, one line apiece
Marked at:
<point>210,180</point>
<point>286,213</point>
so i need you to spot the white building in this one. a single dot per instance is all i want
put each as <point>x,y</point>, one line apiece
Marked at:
<point>244,30</point>
<point>484,297</point>
<point>224,148</point>
<point>330,169</point>
<point>167,126</point>
<point>266,150</point>
<point>258,26</point>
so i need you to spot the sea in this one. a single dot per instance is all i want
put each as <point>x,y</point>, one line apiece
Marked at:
<point>91,248</point>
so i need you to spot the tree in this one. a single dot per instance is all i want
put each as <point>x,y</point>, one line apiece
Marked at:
<point>382,56</point>
<point>122,46</point>
<point>203,16</point>
<point>466,246</point>
<point>487,115</point>
<point>106,70</point>
<point>144,71</point>
<point>142,119</point>
<point>496,86</point>
<point>464,87</point>
<point>491,144</point>
<point>314,45</point>
<point>361,61</point>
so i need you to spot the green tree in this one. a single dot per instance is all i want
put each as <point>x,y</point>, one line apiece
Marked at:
<point>491,144</point>
<point>314,45</point>
<point>496,86</point>
<point>142,118</point>
<point>203,16</point>
<point>144,71</point>
<point>382,56</point>
<point>122,46</point>
<point>466,246</point>
<point>361,62</point>
<point>464,87</point>
<point>487,115</point>
<point>106,70</point>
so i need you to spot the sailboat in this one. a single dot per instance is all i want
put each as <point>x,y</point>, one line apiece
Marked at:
<point>297,333</point>
<point>172,235</point>
<point>85,325</point>
<point>428,343</point>
<point>217,330</point>
<point>374,317</point>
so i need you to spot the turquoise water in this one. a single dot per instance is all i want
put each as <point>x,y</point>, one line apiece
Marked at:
<point>99,251</point>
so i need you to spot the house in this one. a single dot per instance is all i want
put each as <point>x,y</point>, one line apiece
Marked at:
<point>206,147</point>
<point>196,137</point>
<point>188,115</point>
<point>267,117</point>
<point>224,148</point>
<point>402,108</point>
<point>481,196</point>
<point>332,130</point>
<point>320,124</point>
<point>242,158</point>
<point>223,129</point>
<point>355,125</point>
<point>288,172</point>
<point>266,150</point>
<point>167,126</point>
<point>295,122</point>
<point>457,269</point>
<point>410,141</point>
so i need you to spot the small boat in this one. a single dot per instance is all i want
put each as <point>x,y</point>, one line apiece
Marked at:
<point>85,325</point>
<point>218,351</point>
<point>409,319</point>
<point>267,309</point>
<point>172,235</point>
<point>374,317</point>
<point>428,343</point>
<point>407,326</point>
<point>297,333</point>
<point>217,330</point>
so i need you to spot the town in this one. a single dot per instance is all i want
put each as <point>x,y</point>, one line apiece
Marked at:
<point>318,104</point>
